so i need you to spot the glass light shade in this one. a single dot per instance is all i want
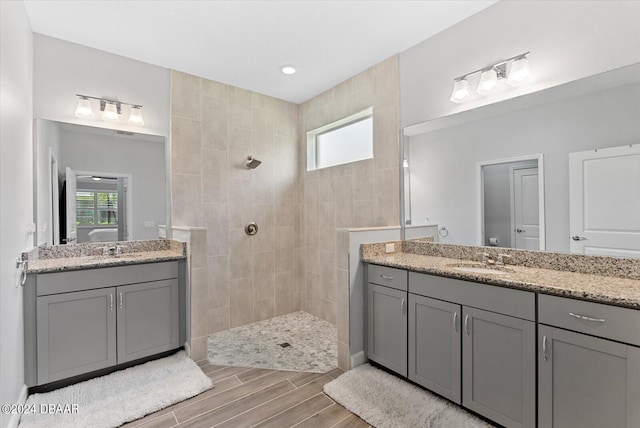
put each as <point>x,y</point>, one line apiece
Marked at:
<point>520,73</point>
<point>110,113</point>
<point>135,116</point>
<point>84,108</point>
<point>405,163</point>
<point>460,90</point>
<point>488,81</point>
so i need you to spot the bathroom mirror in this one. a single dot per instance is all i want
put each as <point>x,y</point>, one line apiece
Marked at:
<point>97,185</point>
<point>446,165</point>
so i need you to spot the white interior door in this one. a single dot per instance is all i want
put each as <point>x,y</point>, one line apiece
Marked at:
<point>72,233</point>
<point>526,214</point>
<point>604,201</point>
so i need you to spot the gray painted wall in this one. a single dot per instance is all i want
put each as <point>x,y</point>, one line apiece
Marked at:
<point>16,191</point>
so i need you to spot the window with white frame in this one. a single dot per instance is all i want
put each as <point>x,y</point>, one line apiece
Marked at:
<point>344,141</point>
<point>96,208</point>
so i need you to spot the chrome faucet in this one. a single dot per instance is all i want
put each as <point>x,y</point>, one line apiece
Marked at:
<point>485,257</point>
<point>111,250</point>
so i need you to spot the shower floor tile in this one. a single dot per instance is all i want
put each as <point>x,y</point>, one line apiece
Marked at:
<point>312,344</point>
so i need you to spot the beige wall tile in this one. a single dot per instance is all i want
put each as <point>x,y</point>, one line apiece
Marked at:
<point>262,130</point>
<point>264,309</point>
<point>387,202</point>
<point>264,275</point>
<point>288,290</point>
<point>201,301</point>
<point>327,218</point>
<point>215,182</point>
<point>285,210</point>
<point>385,137</point>
<point>240,207</point>
<point>219,319</point>
<point>326,185</point>
<point>185,146</point>
<point>342,250</point>
<point>342,305</point>
<point>363,213</point>
<point>240,260</point>
<point>239,108</point>
<point>328,311</point>
<point>328,275</point>
<point>215,120</point>
<point>363,180</point>
<point>263,179</point>
<point>198,348</point>
<point>284,249</point>
<point>218,268</point>
<point>185,95</point>
<point>211,88</point>
<point>241,302</point>
<point>344,359</point>
<point>311,202</point>
<point>385,82</point>
<point>198,247</point>
<point>186,200</point>
<point>344,198</point>
<point>216,221</point>
<point>263,215</point>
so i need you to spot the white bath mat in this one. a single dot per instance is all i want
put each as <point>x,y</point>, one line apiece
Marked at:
<point>122,396</point>
<point>386,401</point>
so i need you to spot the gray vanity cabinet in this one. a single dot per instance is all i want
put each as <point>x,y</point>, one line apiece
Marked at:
<point>435,346</point>
<point>77,322</point>
<point>499,367</point>
<point>387,327</point>
<point>586,381</point>
<point>147,319</point>
<point>76,333</point>
<point>588,377</point>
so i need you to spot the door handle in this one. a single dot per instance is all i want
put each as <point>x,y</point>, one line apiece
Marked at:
<point>578,238</point>
<point>520,230</point>
<point>121,300</point>
<point>455,322</point>
<point>402,306</point>
<point>544,348</point>
<point>110,301</point>
<point>586,318</point>
<point>387,277</point>
<point>466,325</point>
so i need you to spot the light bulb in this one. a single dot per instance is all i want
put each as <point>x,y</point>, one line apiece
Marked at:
<point>84,108</point>
<point>488,81</point>
<point>135,116</point>
<point>520,73</point>
<point>288,69</point>
<point>460,90</point>
<point>405,163</point>
<point>110,113</point>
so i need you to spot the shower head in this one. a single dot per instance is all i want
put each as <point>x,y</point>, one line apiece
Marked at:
<point>252,163</point>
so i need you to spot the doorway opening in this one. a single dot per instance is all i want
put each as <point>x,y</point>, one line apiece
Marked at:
<point>510,203</point>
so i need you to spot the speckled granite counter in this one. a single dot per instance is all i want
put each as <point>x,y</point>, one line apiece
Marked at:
<point>61,258</point>
<point>601,288</point>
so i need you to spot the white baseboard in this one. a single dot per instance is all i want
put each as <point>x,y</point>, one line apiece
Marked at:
<point>358,359</point>
<point>15,418</point>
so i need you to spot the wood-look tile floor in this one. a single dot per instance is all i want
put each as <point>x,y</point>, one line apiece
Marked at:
<point>248,397</point>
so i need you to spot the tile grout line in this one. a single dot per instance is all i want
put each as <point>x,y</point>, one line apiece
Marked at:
<point>289,408</point>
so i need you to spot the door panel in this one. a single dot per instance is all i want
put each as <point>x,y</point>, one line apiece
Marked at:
<point>147,319</point>
<point>434,345</point>
<point>76,333</point>
<point>604,200</point>
<point>526,209</point>
<point>499,367</point>
<point>572,392</point>
<point>387,327</point>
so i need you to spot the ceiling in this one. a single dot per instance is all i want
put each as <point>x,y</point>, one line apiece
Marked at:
<point>244,43</point>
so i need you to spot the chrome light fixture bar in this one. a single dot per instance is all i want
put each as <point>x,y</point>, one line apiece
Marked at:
<point>518,74</point>
<point>111,109</point>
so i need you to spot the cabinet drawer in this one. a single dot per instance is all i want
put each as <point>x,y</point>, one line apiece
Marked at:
<point>610,322</point>
<point>507,301</point>
<point>387,276</point>
<point>65,282</point>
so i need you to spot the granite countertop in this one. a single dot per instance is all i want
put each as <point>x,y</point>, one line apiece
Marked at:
<point>89,256</point>
<point>596,288</point>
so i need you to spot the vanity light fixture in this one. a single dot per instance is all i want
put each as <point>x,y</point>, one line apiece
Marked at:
<point>405,163</point>
<point>111,109</point>
<point>519,74</point>
<point>84,108</point>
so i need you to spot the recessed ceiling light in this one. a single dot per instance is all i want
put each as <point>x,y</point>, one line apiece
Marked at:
<point>288,69</point>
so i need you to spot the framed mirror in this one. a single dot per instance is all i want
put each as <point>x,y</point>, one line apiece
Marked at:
<point>450,163</point>
<point>97,185</point>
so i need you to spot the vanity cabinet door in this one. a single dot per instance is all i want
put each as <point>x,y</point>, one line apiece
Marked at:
<point>76,333</point>
<point>387,327</point>
<point>586,381</point>
<point>147,319</point>
<point>434,345</point>
<point>499,368</point>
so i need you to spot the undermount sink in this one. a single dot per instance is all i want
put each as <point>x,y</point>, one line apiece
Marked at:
<point>478,268</point>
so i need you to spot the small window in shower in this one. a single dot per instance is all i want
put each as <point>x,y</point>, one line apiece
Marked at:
<point>344,141</point>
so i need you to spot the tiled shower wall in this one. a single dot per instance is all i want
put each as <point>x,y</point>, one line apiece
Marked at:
<point>360,194</point>
<point>236,279</point>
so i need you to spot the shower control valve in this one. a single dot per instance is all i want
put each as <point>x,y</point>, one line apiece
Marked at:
<point>251,228</point>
